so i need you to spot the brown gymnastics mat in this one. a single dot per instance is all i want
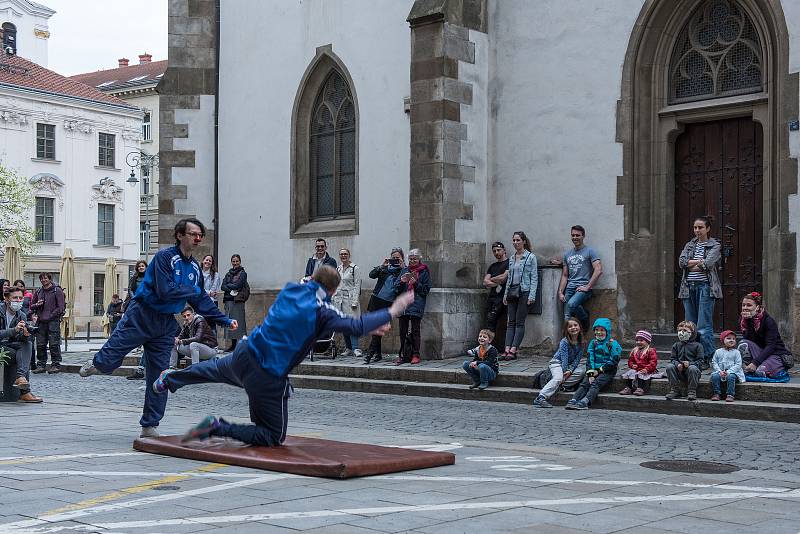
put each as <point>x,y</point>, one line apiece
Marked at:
<point>300,456</point>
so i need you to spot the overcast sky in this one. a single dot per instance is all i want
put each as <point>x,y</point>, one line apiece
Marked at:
<point>89,35</point>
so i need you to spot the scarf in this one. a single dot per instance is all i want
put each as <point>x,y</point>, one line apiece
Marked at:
<point>756,322</point>
<point>415,270</point>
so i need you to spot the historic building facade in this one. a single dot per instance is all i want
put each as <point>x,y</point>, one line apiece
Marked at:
<point>448,124</point>
<point>69,141</point>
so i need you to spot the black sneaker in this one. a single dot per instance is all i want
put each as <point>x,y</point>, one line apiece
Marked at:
<point>138,374</point>
<point>377,358</point>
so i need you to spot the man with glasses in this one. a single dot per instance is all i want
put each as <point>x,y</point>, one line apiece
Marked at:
<point>319,259</point>
<point>171,280</point>
<point>495,282</point>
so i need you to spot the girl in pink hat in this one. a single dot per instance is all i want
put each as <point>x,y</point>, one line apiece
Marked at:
<point>642,365</point>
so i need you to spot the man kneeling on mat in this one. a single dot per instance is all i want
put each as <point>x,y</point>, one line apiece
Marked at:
<point>301,315</point>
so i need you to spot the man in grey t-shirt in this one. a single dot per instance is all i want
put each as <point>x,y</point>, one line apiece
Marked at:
<point>580,271</point>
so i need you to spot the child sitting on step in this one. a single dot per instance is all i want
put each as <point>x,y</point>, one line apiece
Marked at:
<point>726,367</point>
<point>483,368</point>
<point>564,362</point>
<point>687,362</point>
<point>601,365</point>
<point>642,365</point>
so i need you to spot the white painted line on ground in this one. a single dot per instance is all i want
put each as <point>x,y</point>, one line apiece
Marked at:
<point>29,524</point>
<point>504,459</point>
<point>141,474</point>
<point>469,504</point>
<point>688,485</point>
<point>54,457</point>
<point>436,447</point>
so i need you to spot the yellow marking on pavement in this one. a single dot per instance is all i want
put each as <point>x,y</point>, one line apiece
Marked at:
<point>88,503</point>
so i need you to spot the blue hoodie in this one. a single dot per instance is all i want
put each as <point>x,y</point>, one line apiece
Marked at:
<point>603,355</point>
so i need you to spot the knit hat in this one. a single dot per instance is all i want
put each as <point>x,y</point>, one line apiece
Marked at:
<point>644,334</point>
<point>725,334</point>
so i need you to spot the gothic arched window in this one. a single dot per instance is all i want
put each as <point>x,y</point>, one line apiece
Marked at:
<point>332,150</point>
<point>718,53</point>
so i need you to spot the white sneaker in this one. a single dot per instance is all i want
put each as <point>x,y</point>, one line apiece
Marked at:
<point>357,353</point>
<point>88,369</point>
<point>346,353</point>
<point>149,432</point>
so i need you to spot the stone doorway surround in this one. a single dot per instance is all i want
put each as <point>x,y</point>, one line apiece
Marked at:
<point>647,128</point>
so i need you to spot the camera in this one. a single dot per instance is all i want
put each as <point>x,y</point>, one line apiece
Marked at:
<point>31,328</point>
<point>394,261</point>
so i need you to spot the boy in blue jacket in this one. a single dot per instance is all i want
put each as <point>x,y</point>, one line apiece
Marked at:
<point>300,316</point>
<point>172,280</point>
<point>601,366</point>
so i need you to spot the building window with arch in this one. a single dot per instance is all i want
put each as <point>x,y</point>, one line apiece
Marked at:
<point>718,53</point>
<point>9,38</point>
<point>332,151</point>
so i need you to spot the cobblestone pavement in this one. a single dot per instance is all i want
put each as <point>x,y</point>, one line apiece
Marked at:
<point>748,444</point>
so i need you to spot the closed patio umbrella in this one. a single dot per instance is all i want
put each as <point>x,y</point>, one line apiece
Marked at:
<point>12,263</point>
<point>109,287</point>
<point>67,281</point>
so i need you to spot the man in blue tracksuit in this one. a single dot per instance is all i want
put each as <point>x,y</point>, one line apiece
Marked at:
<point>172,280</point>
<point>301,315</point>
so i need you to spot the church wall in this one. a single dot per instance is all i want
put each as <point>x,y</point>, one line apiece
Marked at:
<point>265,50</point>
<point>555,81</point>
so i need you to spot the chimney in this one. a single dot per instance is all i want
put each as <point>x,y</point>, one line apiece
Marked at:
<point>123,61</point>
<point>144,58</point>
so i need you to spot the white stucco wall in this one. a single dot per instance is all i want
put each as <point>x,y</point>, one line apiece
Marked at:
<point>265,49</point>
<point>555,78</point>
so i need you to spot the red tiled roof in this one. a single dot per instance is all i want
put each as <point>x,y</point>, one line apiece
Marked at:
<point>122,77</point>
<point>18,71</point>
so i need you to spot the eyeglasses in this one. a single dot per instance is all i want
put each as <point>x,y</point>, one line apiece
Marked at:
<point>319,246</point>
<point>196,235</point>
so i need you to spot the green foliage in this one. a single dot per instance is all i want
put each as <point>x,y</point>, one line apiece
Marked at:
<point>5,356</point>
<point>16,202</point>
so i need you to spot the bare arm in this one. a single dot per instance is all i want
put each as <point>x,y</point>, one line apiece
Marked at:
<point>598,271</point>
<point>562,285</point>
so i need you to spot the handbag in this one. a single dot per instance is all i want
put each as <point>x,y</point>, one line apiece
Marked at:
<point>513,291</point>
<point>243,293</point>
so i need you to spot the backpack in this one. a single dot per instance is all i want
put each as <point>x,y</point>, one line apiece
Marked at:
<point>787,360</point>
<point>541,378</point>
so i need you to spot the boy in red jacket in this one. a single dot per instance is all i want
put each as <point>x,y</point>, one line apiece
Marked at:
<point>642,364</point>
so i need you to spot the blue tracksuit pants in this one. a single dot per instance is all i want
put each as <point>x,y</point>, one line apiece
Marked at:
<point>268,395</point>
<point>142,325</point>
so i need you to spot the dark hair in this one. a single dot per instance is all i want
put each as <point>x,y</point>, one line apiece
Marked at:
<point>755,296</point>
<point>136,267</point>
<point>19,282</point>
<point>187,308</point>
<point>526,243</point>
<point>400,250</point>
<point>213,262</point>
<point>707,220</point>
<point>565,334</point>
<point>321,239</point>
<point>11,290</point>
<point>115,296</point>
<point>579,228</point>
<point>236,256</point>
<point>3,281</point>
<point>46,275</point>
<point>498,244</point>
<point>327,277</point>
<point>180,228</point>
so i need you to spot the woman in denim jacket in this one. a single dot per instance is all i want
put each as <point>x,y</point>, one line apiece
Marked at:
<point>520,292</point>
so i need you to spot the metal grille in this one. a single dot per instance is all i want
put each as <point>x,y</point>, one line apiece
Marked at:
<point>332,150</point>
<point>718,53</point>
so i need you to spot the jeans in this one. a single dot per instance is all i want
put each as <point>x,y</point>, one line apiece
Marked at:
<point>410,324</point>
<point>267,395</point>
<point>197,351</point>
<point>375,304</point>
<point>699,308</point>
<point>49,335</point>
<point>21,350</point>
<point>573,307</point>
<point>716,383</point>
<point>482,375</point>
<point>691,375</point>
<point>552,386</point>
<point>517,313</point>
<point>588,391</point>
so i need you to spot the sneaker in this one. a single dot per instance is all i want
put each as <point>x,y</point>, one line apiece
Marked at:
<point>21,383</point>
<point>626,391</point>
<point>357,353</point>
<point>638,392</point>
<point>367,359</point>
<point>511,356</point>
<point>39,370</point>
<point>149,432</point>
<point>672,395</point>
<point>691,396</point>
<point>138,374</point>
<point>398,361</point>
<point>715,397</point>
<point>480,387</point>
<point>376,357</point>
<point>474,385</point>
<point>88,369</point>
<point>415,360</point>
<point>159,386</point>
<point>571,404</point>
<point>54,369</point>
<point>29,397</point>
<point>346,353</point>
<point>581,405</point>
<point>541,402</point>
<point>202,430</point>
<point>729,398</point>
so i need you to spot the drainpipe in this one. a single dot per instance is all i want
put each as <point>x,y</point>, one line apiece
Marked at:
<point>216,134</point>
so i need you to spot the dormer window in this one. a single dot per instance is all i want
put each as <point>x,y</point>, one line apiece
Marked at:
<point>9,38</point>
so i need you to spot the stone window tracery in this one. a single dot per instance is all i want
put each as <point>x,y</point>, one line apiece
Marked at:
<point>718,53</point>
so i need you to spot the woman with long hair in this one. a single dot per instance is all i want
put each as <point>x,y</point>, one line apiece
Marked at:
<point>212,281</point>
<point>523,278</point>
<point>237,291</point>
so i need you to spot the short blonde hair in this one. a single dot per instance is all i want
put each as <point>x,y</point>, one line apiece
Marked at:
<point>488,333</point>
<point>688,324</point>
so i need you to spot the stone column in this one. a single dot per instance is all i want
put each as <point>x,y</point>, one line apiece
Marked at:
<point>439,42</point>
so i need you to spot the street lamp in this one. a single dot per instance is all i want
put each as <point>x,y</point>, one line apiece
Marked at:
<point>145,162</point>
